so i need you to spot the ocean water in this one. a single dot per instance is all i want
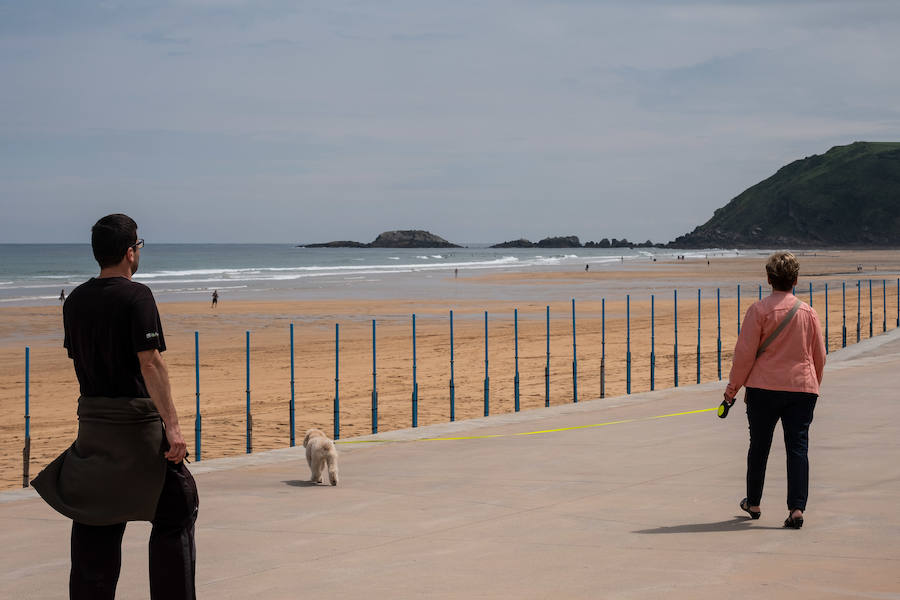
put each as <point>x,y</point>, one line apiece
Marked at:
<point>34,274</point>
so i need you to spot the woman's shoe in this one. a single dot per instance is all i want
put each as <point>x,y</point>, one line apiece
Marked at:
<point>793,522</point>
<point>754,514</point>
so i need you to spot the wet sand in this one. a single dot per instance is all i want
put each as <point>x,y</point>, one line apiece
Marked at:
<point>54,391</point>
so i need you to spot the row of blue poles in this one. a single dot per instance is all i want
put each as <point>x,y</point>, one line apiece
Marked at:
<point>516,378</point>
<point>198,428</point>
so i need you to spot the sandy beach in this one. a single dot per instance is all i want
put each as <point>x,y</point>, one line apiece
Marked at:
<point>54,390</point>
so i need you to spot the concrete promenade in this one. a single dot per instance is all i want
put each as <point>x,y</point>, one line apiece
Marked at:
<point>616,503</point>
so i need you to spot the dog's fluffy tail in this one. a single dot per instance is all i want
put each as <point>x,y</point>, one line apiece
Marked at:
<point>331,460</point>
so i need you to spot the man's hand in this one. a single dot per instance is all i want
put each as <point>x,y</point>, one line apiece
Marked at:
<point>177,446</point>
<point>728,400</point>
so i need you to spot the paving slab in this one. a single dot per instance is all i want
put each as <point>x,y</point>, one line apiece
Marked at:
<point>630,497</point>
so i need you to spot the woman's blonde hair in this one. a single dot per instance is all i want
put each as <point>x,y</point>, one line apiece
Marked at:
<point>782,269</point>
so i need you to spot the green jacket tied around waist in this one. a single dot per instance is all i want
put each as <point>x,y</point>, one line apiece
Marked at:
<point>114,471</point>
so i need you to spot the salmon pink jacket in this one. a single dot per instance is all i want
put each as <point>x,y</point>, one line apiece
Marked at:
<point>793,362</point>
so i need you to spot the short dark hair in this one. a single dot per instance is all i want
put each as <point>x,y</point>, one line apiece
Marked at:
<point>111,237</point>
<point>782,269</point>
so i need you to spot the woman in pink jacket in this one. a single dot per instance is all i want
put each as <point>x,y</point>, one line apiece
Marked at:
<point>782,382</point>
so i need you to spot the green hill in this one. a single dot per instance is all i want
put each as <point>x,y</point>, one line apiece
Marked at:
<point>849,196</point>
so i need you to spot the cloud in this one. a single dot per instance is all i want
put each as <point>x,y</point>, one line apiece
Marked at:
<point>534,116</point>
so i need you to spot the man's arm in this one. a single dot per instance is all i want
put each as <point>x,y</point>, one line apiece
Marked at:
<point>156,376</point>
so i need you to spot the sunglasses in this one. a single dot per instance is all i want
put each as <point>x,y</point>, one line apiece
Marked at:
<point>138,244</point>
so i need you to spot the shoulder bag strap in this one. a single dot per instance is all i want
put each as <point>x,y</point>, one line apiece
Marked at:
<point>781,326</point>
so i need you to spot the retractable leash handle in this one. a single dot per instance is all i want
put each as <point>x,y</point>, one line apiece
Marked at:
<point>725,407</point>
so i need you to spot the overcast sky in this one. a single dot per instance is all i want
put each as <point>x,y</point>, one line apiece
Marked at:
<point>488,120</point>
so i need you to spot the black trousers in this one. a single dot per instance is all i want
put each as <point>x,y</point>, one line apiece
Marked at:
<point>795,409</point>
<point>97,550</point>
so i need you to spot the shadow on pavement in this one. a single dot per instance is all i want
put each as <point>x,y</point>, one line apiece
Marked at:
<point>300,483</point>
<point>735,524</point>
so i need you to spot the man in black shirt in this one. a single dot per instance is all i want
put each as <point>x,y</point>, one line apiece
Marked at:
<point>127,462</point>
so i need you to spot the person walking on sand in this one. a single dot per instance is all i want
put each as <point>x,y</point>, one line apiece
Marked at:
<point>62,295</point>
<point>586,268</point>
<point>127,462</point>
<point>779,357</point>
<point>215,298</point>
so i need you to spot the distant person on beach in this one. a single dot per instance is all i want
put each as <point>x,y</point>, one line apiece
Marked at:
<point>779,357</point>
<point>586,268</point>
<point>62,295</point>
<point>127,461</point>
<point>215,298</point>
<point>455,273</point>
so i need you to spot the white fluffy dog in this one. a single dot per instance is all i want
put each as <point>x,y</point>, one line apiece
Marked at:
<point>320,452</point>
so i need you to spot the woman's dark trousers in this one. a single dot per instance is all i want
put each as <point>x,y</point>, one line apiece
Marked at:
<point>97,550</point>
<point>795,409</point>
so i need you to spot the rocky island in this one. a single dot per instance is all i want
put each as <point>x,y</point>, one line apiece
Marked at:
<point>407,238</point>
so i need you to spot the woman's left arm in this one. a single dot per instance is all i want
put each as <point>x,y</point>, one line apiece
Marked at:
<point>744,351</point>
<point>818,346</point>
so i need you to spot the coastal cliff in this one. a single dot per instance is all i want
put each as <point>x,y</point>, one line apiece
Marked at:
<point>849,196</point>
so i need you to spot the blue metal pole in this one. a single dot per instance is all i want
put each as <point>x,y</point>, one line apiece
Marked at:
<point>843,314</point>
<point>675,304</point>
<point>249,415</point>
<point>719,333</point>
<point>884,305</point>
<point>627,344</point>
<point>415,391</point>
<point>293,418</point>
<point>198,428</point>
<point>652,343</point>
<point>810,294</point>
<point>516,336</point>
<point>452,383</point>
<point>826,317</point>
<point>337,381</point>
<point>871,313</point>
<point>760,291</point>
<point>26,450</point>
<point>27,392</point>
<point>547,366</point>
<point>603,348</point>
<point>858,309</point>
<point>698,336</point>
<point>374,383</point>
<point>739,307</point>
<point>487,379</point>
<point>574,358</point>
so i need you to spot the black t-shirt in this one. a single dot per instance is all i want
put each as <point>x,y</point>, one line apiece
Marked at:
<point>107,322</point>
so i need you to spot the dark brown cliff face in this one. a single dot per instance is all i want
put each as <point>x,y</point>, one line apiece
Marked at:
<point>849,196</point>
<point>411,238</point>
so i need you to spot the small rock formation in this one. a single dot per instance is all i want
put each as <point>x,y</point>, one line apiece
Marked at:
<point>519,243</point>
<point>570,241</point>
<point>338,244</point>
<point>409,238</point>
